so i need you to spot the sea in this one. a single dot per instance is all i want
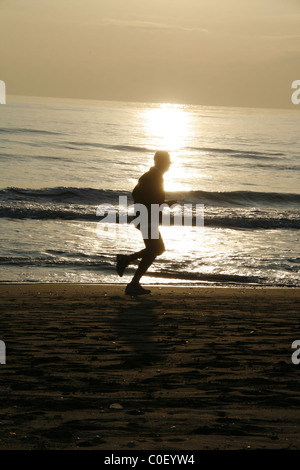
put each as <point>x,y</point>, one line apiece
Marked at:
<point>64,161</point>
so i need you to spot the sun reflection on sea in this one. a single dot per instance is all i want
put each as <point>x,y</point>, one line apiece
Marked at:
<point>168,128</point>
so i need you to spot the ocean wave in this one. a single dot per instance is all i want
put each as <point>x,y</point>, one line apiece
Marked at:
<point>21,130</point>
<point>44,261</point>
<point>69,195</point>
<point>121,148</point>
<point>24,157</point>
<point>246,155</point>
<point>253,154</point>
<point>239,198</point>
<point>73,195</point>
<point>46,214</point>
<point>213,277</point>
<point>236,219</point>
<point>105,265</point>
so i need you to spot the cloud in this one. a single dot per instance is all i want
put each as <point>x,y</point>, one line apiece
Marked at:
<point>149,25</point>
<point>281,37</point>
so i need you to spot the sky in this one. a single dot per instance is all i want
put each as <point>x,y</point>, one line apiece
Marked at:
<point>207,52</point>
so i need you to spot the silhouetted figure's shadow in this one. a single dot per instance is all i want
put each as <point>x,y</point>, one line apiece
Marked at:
<point>135,325</point>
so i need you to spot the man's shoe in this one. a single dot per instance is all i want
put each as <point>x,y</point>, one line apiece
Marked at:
<point>122,263</point>
<point>136,289</point>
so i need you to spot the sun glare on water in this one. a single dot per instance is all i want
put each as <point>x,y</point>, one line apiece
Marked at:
<point>167,128</point>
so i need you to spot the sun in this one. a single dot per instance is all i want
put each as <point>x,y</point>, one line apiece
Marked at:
<point>167,126</point>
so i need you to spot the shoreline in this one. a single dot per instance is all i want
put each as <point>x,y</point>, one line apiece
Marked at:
<point>186,367</point>
<point>194,285</point>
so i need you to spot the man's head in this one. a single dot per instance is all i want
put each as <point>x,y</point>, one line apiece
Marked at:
<point>162,160</point>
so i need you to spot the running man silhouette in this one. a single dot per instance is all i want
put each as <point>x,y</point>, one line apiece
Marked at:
<point>149,190</point>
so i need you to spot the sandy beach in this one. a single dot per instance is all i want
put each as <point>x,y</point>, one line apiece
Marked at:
<point>183,368</point>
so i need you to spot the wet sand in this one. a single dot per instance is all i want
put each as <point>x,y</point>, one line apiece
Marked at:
<point>183,368</point>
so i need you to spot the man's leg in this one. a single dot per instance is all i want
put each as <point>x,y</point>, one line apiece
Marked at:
<point>124,260</point>
<point>153,249</point>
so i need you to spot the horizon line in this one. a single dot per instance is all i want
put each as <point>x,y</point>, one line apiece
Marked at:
<point>55,97</point>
